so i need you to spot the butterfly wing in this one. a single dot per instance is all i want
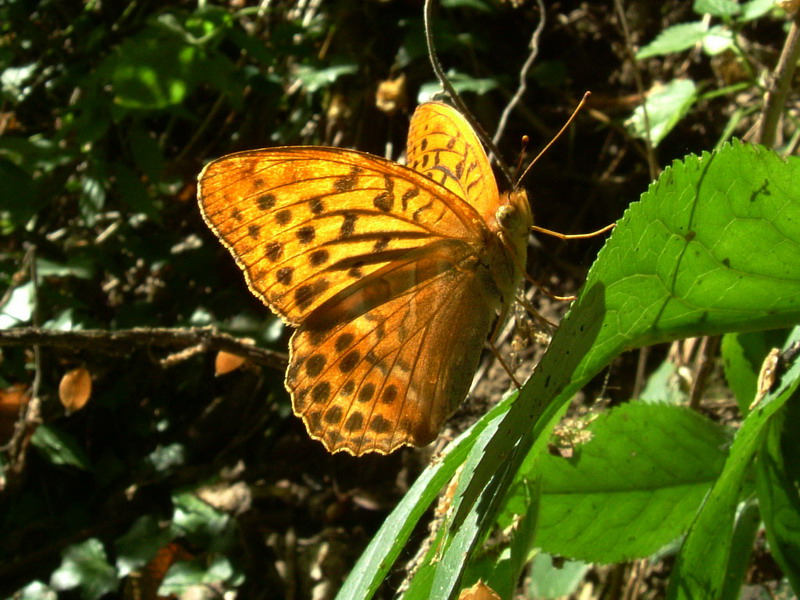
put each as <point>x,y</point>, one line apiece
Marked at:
<point>305,223</point>
<point>443,146</point>
<point>377,380</point>
<point>381,268</point>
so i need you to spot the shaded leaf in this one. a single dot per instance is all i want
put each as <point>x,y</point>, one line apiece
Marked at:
<point>60,447</point>
<point>185,574</point>
<point>141,543</point>
<point>778,482</point>
<point>85,566</point>
<point>549,581</point>
<point>702,566</point>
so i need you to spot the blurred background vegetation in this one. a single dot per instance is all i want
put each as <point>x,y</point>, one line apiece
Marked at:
<point>170,476</point>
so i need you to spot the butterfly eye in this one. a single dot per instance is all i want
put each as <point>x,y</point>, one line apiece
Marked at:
<point>507,217</point>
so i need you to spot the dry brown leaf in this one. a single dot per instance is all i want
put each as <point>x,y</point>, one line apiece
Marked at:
<point>391,95</point>
<point>479,591</point>
<point>75,389</point>
<point>227,362</point>
<point>11,399</point>
<point>144,584</point>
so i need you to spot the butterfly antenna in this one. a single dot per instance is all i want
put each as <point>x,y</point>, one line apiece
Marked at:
<point>555,137</point>
<point>459,103</point>
<point>547,292</point>
<point>523,149</point>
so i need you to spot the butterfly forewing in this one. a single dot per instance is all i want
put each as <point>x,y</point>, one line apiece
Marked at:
<point>443,146</point>
<point>306,223</point>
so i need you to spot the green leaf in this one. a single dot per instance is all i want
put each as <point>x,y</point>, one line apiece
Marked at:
<point>152,70</point>
<point>702,566</point>
<point>141,543</point>
<point>18,191</point>
<point>666,106</point>
<point>376,561</point>
<point>60,447</point>
<point>549,581</point>
<point>718,40</point>
<point>313,79</point>
<point>18,308</point>
<point>167,458</point>
<point>742,356</point>
<point>201,523</point>
<point>756,8</point>
<point>745,530</point>
<point>631,489</point>
<point>461,82</point>
<point>36,590</point>
<point>664,386</point>
<point>146,152</point>
<point>479,5</point>
<point>717,8</point>
<point>134,193</point>
<point>85,566</point>
<point>184,574</point>
<point>674,39</point>
<point>493,466</point>
<point>14,82</point>
<point>80,267</point>
<point>778,482</point>
<point>93,197</point>
<point>713,246</point>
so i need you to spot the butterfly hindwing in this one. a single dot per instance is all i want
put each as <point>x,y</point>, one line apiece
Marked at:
<point>388,377</point>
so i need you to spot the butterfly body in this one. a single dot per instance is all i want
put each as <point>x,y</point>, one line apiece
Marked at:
<point>393,274</point>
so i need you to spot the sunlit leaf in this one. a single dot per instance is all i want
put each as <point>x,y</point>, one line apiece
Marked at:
<point>674,39</point>
<point>717,8</point>
<point>75,389</point>
<point>19,307</point>
<point>226,362</point>
<point>666,106</point>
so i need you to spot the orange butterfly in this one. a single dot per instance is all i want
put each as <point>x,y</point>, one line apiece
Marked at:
<point>392,274</point>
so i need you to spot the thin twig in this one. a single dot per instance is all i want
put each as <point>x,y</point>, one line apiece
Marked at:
<point>127,340</point>
<point>448,87</point>
<point>523,75</point>
<point>778,86</point>
<point>28,417</point>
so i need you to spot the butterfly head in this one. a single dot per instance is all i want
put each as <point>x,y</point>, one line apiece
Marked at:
<point>514,217</point>
<point>513,221</point>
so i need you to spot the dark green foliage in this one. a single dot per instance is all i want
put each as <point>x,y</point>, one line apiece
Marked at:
<point>109,111</point>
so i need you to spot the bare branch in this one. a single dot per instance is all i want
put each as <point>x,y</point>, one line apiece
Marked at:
<point>125,341</point>
<point>778,86</point>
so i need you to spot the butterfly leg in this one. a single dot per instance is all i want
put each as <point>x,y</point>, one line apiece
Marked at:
<point>536,314</point>
<point>505,365</point>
